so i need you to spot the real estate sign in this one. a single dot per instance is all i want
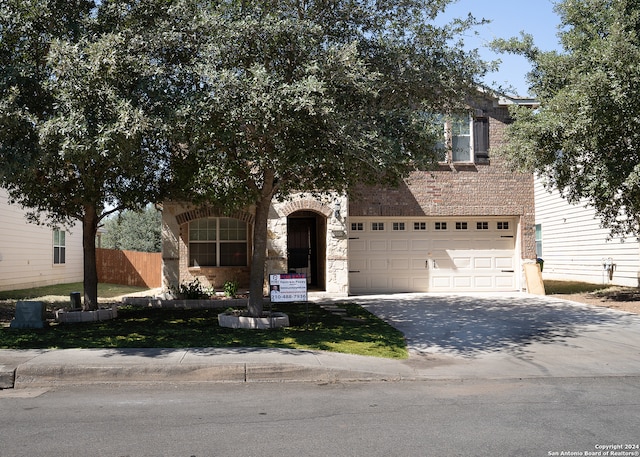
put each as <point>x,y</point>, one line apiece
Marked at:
<point>288,287</point>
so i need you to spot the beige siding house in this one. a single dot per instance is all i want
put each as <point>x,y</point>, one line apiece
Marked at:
<point>575,248</point>
<point>33,255</point>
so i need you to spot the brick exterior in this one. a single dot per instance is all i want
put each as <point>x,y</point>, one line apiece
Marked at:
<point>486,188</point>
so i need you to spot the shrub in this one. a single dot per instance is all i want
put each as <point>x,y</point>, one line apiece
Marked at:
<point>193,290</point>
<point>231,288</point>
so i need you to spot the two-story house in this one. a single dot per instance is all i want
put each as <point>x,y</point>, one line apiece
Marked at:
<point>36,255</point>
<point>575,247</point>
<point>466,226</point>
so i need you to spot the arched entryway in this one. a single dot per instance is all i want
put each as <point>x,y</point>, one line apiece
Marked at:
<point>307,246</point>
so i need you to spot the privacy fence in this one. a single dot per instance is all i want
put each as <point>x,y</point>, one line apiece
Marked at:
<point>143,269</point>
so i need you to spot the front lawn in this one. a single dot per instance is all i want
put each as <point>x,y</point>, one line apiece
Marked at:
<point>62,291</point>
<point>361,333</point>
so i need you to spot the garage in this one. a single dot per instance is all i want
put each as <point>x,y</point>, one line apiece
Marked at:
<point>432,255</point>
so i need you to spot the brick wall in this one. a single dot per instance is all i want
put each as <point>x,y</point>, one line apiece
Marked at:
<point>460,190</point>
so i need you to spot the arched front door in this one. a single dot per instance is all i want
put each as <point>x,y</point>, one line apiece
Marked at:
<point>306,246</point>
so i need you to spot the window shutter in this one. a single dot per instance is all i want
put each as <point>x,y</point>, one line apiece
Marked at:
<point>481,139</point>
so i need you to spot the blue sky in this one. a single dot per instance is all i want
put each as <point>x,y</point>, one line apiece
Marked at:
<point>509,18</point>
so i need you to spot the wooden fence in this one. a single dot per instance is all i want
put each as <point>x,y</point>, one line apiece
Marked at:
<point>143,269</point>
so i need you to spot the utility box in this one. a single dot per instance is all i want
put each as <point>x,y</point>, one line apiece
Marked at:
<point>29,314</point>
<point>76,302</point>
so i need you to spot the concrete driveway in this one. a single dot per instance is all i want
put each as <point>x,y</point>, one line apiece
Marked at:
<point>511,334</point>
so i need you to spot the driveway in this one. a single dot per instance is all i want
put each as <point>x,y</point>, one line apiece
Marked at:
<point>511,334</point>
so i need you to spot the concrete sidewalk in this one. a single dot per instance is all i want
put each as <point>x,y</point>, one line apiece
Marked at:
<point>38,368</point>
<point>471,336</point>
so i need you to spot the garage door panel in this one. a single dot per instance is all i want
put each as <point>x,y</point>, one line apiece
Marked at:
<point>419,264</point>
<point>377,282</point>
<point>441,244</point>
<point>357,246</point>
<point>483,282</point>
<point>420,284</point>
<point>443,264</point>
<point>462,282</point>
<point>504,262</point>
<point>504,243</point>
<point>358,282</point>
<point>378,264</point>
<point>399,264</point>
<point>401,284</point>
<point>420,245</point>
<point>441,282</point>
<point>399,245</point>
<point>433,260</point>
<point>462,262</point>
<point>482,263</point>
<point>505,282</point>
<point>378,245</point>
<point>462,244</point>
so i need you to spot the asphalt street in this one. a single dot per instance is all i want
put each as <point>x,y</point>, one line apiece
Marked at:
<point>471,336</point>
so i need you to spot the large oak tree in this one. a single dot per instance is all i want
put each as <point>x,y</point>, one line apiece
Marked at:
<point>83,112</point>
<point>316,95</point>
<point>585,137</point>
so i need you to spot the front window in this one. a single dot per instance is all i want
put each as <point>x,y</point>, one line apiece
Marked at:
<point>59,247</point>
<point>460,139</point>
<point>455,144</point>
<point>217,242</point>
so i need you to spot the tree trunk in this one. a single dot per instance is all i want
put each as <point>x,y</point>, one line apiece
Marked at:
<point>89,228</point>
<point>259,256</point>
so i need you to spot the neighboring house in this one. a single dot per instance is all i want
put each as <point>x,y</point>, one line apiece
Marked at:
<point>467,226</point>
<point>36,255</point>
<point>575,247</point>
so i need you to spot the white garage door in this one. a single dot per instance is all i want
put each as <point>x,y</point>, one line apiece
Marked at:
<point>432,255</point>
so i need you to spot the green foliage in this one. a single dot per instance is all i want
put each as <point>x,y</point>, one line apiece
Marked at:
<point>180,328</point>
<point>315,96</point>
<point>584,140</point>
<point>231,288</point>
<point>193,290</point>
<point>85,121</point>
<point>134,231</point>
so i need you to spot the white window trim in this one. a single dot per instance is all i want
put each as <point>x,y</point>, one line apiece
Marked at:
<point>58,246</point>
<point>218,242</point>
<point>448,141</point>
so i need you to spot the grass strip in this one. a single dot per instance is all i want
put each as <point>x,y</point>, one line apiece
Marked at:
<point>142,327</point>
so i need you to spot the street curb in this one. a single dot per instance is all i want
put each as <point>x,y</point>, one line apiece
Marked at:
<point>49,375</point>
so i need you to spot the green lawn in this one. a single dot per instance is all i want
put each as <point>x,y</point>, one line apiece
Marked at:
<point>572,287</point>
<point>105,291</point>
<point>137,327</point>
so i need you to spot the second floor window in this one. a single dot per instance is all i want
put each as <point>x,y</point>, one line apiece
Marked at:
<point>464,139</point>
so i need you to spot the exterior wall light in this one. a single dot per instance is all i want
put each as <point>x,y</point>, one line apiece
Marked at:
<point>336,209</point>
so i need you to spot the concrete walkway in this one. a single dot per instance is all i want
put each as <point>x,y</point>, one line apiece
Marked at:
<point>449,337</point>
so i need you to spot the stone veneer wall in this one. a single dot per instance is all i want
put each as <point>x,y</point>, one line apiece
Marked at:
<point>335,265</point>
<point>175,243</point>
